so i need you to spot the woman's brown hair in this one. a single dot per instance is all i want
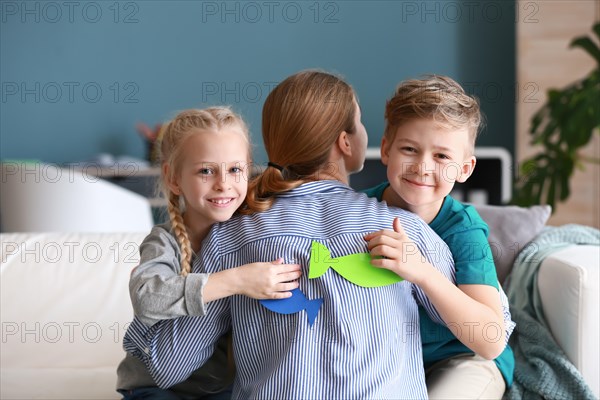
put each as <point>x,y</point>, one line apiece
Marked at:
<point>301,120</point>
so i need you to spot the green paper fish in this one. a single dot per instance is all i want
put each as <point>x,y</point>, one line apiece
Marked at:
<point>356,268</point>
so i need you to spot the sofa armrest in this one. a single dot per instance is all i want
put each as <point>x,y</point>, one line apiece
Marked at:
<point>64,308</point>
<point>568,283</point>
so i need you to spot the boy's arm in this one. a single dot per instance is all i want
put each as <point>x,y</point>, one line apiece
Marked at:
<point>458,311</point>
<point>476,272</point>
<point>492,298</point>
<point>412,251</point>
<point>476,321</point>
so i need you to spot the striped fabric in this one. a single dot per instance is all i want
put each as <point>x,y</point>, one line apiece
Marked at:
<point>365,343</point>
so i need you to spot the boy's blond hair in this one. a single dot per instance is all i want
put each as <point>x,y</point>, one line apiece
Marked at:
<point>433,97</point>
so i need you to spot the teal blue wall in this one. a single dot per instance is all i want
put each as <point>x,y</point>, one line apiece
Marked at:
<point>77,76</point>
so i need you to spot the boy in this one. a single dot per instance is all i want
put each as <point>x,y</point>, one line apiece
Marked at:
<point>428,145</point>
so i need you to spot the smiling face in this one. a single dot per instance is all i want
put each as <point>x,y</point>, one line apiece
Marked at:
<point>423,161</point>
<point>213,176</point>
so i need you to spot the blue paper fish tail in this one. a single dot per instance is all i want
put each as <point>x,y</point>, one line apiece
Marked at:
<point>320,260</point>
<point>312,310</point>
<point>294,304</point>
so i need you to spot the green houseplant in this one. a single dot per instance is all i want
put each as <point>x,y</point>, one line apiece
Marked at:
<point>564,124</point>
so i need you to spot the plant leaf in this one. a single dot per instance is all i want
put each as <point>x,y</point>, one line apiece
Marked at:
<point>562,125</point>
<point>564,183</point>
<point>586,44</point>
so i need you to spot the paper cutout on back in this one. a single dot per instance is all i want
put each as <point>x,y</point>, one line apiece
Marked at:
<point>294,304</point>
<point>356,268</point>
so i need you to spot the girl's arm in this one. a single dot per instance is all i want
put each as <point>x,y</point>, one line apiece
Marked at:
<point>270,280</point>
<point>472,312</point>
<point>158,290</point>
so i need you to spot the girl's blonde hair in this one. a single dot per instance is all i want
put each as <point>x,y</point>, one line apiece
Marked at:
<point>172,138</point>
<point>435,97</point>
<point>301,120</point>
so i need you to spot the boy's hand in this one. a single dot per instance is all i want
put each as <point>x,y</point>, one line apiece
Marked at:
<point>400,254</point>
<point>268,280</point>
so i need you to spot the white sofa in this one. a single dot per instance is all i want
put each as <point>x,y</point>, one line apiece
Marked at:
<point>65,307</point>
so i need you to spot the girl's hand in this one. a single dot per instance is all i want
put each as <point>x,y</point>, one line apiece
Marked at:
<point>268,280</point>
<point>400,254</point>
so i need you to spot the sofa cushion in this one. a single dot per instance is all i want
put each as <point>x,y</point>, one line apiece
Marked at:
<point>64,309</point>
<point>511,228</point>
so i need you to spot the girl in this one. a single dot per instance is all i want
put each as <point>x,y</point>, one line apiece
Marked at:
<point>204,157</point>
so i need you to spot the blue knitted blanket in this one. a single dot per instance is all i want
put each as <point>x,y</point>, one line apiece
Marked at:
<point>542,370</point>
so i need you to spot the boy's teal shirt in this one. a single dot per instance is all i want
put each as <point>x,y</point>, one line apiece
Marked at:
<point>465,233</point>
